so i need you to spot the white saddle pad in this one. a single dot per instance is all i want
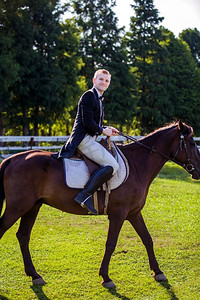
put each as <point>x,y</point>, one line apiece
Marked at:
<point>77,174</point>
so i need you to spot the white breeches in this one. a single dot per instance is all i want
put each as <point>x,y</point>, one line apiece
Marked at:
<point>96,152</point>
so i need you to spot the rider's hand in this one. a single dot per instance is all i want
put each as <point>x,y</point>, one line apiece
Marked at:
<point>110,131</point>
<point>107,131</point>
<point>114,131</point>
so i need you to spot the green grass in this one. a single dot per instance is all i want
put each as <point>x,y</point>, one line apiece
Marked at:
<point>67,250</point>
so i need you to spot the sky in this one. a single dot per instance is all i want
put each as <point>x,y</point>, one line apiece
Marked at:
<point>178,14</point>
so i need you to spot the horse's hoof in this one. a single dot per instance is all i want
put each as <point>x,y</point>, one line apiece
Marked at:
<point>109,285</point>
<point>160,277</point>
<point>38,281</point>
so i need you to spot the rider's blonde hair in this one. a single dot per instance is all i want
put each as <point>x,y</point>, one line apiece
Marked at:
<point>104,71</point>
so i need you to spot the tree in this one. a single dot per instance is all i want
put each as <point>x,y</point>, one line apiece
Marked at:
<point>8,67</point>
<point>184,82</point>
<point>70,62</point>
<point>8,76</point>
<point>38,92</point>
<point>149,60</point>
<point>101,47</point>
<point>97,23</point>
<point>192,38</point>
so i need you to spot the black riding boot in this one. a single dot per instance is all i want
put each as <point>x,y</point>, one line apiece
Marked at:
<point>84,198</point>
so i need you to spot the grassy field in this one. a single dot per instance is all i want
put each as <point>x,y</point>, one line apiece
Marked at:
<point>67,250</point>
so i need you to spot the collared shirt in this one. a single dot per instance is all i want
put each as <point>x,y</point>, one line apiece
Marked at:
<point>101,106</point>
<point>99,95</point>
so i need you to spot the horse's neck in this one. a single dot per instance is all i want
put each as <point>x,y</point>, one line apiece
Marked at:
<point>146,163</point>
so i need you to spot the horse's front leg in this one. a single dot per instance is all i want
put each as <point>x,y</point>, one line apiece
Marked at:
<point>23,235</point>
<point>115,224</point>
<point>138,223</point>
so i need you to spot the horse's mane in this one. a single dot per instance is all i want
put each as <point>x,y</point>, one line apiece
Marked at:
<point>187,130</point>
<point>159,131</point>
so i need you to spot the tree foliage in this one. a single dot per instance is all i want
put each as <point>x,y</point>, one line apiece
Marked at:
<point>148,58</point>
<point>101,47</point>
<point>183,77</point>
<point>39,93</point>
<point>46,63</point>
<point>164,68</point>
<point>192,38</point>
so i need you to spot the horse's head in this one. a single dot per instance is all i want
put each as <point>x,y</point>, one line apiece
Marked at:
<point>187,153</point>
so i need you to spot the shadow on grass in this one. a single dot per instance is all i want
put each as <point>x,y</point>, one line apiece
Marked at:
<point>116,294</point>
<point>39,292</point>
<point>169,289</point>
<point>3,298</point>
<point>165,284</point>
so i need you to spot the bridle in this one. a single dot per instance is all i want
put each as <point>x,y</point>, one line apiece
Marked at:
<point>188,166</point>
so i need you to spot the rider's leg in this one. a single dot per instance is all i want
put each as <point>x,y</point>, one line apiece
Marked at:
<point>100,155</point>
<point>84,198</point>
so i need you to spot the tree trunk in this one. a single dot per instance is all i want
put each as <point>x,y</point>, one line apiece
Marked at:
<point>1,128</point>
<point>36,132</point>
<point>25,126</point>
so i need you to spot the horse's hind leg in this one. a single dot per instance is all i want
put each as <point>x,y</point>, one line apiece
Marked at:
<point>138,223</point>
<point>23,235</point>
<point>9,217</point>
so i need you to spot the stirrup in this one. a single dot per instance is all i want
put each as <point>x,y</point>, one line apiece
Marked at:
<point>82,203</point>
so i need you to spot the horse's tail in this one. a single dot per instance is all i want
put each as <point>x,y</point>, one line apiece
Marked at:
<point>3,166</point>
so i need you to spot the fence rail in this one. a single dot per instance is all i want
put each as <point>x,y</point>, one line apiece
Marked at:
<point>23,143</point>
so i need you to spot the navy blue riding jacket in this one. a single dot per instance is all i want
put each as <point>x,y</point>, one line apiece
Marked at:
<point>88,120</point>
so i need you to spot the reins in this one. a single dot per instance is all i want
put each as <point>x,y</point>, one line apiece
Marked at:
<point>188,166</point>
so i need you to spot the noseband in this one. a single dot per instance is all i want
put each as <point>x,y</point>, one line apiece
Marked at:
<point>188,166</point>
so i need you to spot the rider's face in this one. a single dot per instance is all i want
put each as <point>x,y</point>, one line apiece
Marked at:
<point>101,82</point>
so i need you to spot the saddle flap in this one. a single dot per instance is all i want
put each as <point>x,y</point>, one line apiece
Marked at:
<point>77,173</point>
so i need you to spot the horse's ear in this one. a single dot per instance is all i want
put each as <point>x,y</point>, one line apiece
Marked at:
<point>183,128</point>
<point>181,125</point>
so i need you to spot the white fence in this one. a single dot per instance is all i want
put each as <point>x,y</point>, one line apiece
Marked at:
<point>49,143</point>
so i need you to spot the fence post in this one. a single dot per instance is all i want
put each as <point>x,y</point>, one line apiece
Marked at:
<point>31,142</point>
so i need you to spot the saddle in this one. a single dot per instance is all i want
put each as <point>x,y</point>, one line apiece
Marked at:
<point>84,167</point>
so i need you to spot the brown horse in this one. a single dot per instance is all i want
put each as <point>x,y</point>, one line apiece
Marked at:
<point>29,179</point>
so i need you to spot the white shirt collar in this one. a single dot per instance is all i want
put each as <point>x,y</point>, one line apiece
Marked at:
<point>99,95</point>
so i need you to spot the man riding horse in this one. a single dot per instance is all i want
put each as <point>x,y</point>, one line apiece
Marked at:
<point>87,126</point>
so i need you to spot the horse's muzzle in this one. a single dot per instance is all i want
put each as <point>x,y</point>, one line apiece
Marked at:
<point>195,174</point>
